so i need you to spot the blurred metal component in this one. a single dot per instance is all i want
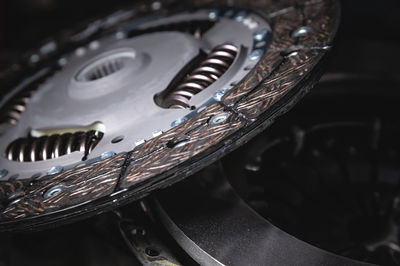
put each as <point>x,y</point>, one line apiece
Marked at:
<point>215,227</point>
<point>144,238</point>
<point>145,245</point>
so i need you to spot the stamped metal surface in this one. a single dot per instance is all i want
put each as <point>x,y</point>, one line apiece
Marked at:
<point>278,61</point>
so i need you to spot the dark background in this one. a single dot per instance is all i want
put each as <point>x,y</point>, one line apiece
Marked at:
<point>368,45</point>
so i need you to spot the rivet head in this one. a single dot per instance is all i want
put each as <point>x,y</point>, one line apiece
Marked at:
<point>213,14</point>
<point>240,16</point>
<point>94,45</point>
<point>301,32</point>
<point>294,53</point>
<point>178,121</point>
<point>156,5</point>
<point>120,35</point>
<point>157,133</point>
<point>256,54</point>
<point>181,143</point>
<point>139,142</point>
<point>219,119</point>
<point>260,35</point>
<point>219,94</point>
<point>53,192</point>
<point>55,170</point>
<point>106,155</point>
<point>15,201</point>
<point>178,141</point>
<point>34,58</point>
<point>62,61</point>
<point>80,51</point>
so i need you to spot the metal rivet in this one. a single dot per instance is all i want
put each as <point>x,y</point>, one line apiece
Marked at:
<point>107,155</point>
<point>157,133</point>
<point>55,170</point>
<point>53,192</point>
<point>219,119</point>
<point>240,15</point>
<point>156,5</point>
<point>178,121</point>
<point>181,143</point>
<point>294,53</point>
<point>15,201</point>
<point>201,109</point>
<point>250,23</point>
<point>261,44</point>
<point>120,35</point>
<point>256,54</point>
<point>48,48</point>
<point>34,58</point>
<point>178,141</point>
<point>213,14</point>
<point>62,61</point>
<point>140,142</point>
<point>80,165</point>
<point>80,51</point>
<point>301,32</point>
<point>94,45</point>
<point>219,94</point>
<point>260,35</point>
<point>3,173</point>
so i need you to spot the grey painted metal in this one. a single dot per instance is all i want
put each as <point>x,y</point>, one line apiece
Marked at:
<point>114,80</point>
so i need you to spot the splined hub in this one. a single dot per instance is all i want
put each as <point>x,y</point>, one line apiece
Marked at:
<point>144,97</point>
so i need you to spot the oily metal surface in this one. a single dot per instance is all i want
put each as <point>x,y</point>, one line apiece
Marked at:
<point>283,75</point>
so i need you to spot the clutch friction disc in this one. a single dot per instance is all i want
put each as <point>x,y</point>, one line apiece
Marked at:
<point>144,97</point>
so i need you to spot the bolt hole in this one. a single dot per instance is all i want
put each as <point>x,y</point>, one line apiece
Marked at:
<point>178,142</point>
<point>248,68</point>
<point>53,192</point>
<point>219,119</point>
<point>117,139</point>
<point>152,252</point>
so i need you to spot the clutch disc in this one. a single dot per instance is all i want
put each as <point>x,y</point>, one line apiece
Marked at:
<point>146,96</point>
